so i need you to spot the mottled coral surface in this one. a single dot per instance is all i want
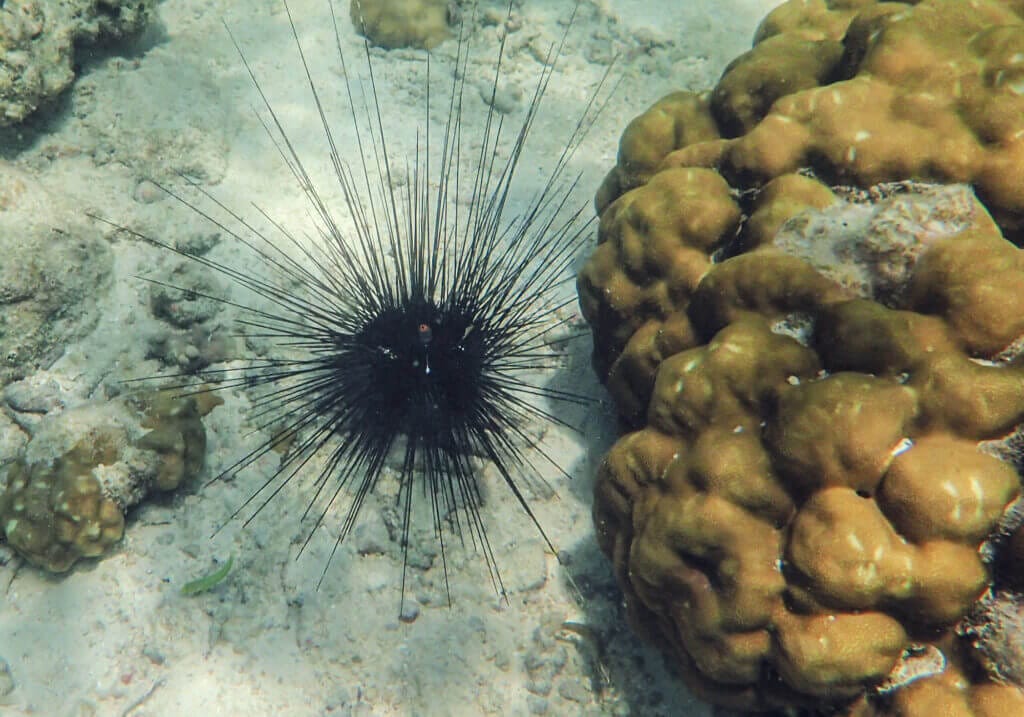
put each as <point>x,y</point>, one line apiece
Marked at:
<point>819,359</point>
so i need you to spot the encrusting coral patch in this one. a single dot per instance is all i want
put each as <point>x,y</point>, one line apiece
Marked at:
<point>401,23</point>
<point>66,494</point>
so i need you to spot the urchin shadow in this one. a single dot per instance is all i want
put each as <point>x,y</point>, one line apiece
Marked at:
<point>619,662</point>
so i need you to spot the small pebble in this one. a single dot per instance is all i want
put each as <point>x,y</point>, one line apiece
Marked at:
<point>537,705</point>
<point>421,556</point>
<point>34,395</point>
<point>475,623</point>
<point>410,611</point>
<point>153,654</point>
<point>146,192</point>
<point>371,536</point>
<point>574,691</point>
<point>504,99</point>
<point>197,244</point>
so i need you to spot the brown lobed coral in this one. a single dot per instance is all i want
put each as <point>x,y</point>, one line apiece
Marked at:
<point>65,496</point>
<point>401,23</point>
<point>821,381</point>
<point>863,92</point>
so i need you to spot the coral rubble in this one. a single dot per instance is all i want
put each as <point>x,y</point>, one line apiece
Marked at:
<point>38,41</point>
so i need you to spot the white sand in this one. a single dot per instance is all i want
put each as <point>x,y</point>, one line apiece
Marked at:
<point>114,636</point>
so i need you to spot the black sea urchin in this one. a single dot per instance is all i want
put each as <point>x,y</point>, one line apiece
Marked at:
<point>414,334</point>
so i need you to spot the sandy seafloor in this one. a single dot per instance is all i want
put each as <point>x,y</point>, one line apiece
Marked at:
<point>115,636</point>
